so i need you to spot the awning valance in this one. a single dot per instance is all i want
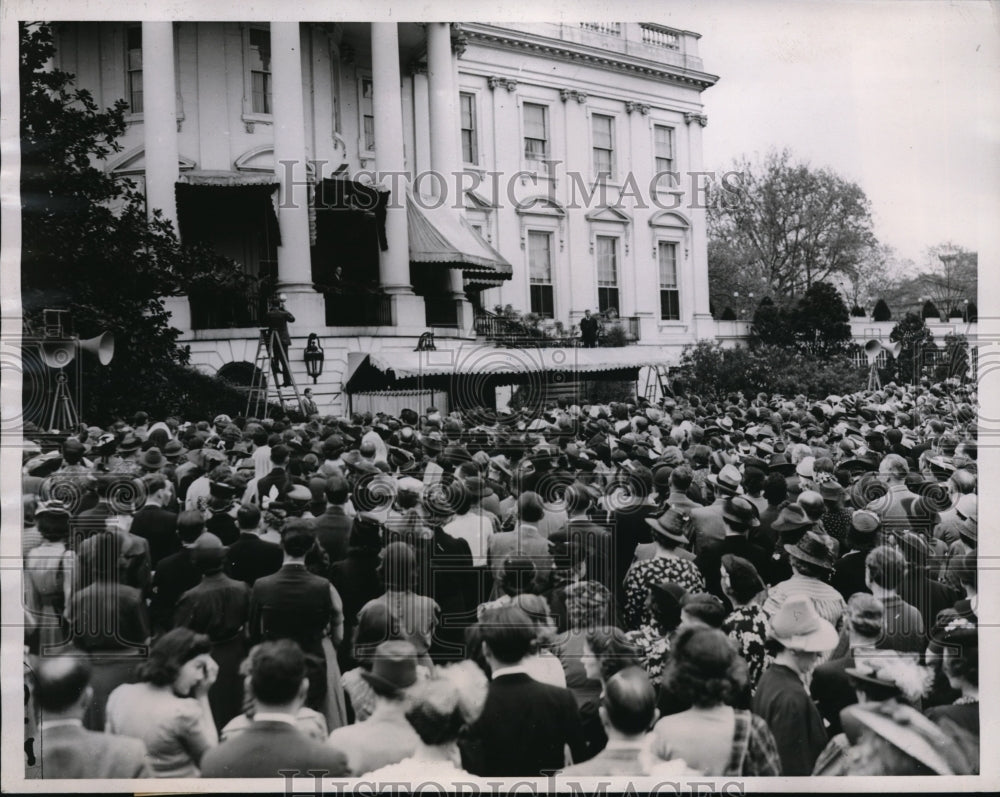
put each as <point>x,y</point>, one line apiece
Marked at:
<point>404,368</point>
<point>207,201</point>
<point>440,234</point>
<point>224,179</point>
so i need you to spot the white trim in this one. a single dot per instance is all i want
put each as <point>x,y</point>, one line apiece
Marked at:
<point>249,116</point>
<point>550,139</point>
<point>475,93</point>
<point>364,104</point>
<point>614,179</point>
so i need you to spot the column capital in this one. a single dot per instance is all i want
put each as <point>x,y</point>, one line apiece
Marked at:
<point>495,81</point>
<point>631,106</point>
<point>700,118</point>
<point>347,53</point>
<point>567,94</point>
<point>417,68</point>
<point>459,40</point>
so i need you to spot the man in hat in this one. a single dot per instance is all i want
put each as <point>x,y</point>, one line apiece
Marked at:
<point>812,563</point>
<point>67,750</point>
<point>272,744</point>
<point>591,537</point>
<point>128,463</point>
<point>798,638</point>
<point>707,525</point>
<point>792,522</point>
<point>73,460</point>
<point>740,517</point>
<point>278,319</point>
<point>386,737</point>
<point>961,482</point>
<point>176,574</point>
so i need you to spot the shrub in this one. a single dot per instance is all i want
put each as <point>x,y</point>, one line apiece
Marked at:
<point>955,312</point>
<point>881,311</point>
<point>614,336</point>
<point>728,314</point>
<point>930,311</point>
<point>858,312</point>
<point>971,313</point>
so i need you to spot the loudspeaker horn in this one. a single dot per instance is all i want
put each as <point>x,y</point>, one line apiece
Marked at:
<point>894,349</point>
<point>58,353</point>
<point>103,346</point>
<point>872,348</point>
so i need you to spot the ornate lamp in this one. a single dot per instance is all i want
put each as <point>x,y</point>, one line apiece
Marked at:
<point>314,357</point>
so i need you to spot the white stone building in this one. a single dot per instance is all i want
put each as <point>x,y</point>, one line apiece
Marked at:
<point>551,143</point>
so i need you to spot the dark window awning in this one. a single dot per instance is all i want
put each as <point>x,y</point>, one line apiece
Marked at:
<point>440,234</point>
<point>206,198</point>
<point>503,366</point>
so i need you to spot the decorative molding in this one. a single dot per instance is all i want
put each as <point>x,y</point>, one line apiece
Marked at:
<point>495,81</point>
<point>700,118</point>
<point>602,59</point>
<point>631,106</point>
<point>248,125</point>
<point>568,94</point>
<point>459,41</point>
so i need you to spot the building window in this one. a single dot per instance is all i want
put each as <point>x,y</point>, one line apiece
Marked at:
<point>366,108</point>
<point>670,307</point>
<point>603,132</point>
<point>663,148</point>
<point>540,273</point>
<point>369,133</point>
<point>536,133</point>
<point>133,67</point>
<point>607,273</point>
<point>470,152</point>
<point>260,70</point>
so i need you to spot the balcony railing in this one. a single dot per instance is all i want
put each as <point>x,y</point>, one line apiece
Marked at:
<point>226,311</point>
<point>358,310</point>
<point>659,36</point>
<point>440,311</point>
<point>607,28</point>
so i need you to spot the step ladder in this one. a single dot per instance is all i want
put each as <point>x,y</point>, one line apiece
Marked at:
<point>259,393</point>
<point>657,384</point>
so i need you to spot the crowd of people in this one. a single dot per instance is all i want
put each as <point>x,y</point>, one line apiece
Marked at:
<point>748,586</point>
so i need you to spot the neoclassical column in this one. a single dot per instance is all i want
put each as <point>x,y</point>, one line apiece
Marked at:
<point>294,268</point>
<point>698,256</point>
<point>159,117</point>
<point>445,156</point>
<point>387,106</point>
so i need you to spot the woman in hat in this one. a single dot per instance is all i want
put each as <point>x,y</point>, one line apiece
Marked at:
<point>668,534</point>
<point>958,643</point>
<point>746,624</point>
<point>812,564</point>
<point>48,571</point>
<point>377,626</point>
<point>440,709</point>
<point>798,638</point>
<point>711,736</point>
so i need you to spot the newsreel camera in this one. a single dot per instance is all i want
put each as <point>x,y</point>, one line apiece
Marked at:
<point>872,350</point>
<point>58,349</point>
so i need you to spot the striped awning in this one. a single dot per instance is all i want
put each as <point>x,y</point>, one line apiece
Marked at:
<point>440,234</point>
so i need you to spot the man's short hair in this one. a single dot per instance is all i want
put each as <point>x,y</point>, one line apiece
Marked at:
<point>630,701</point>
<point>260,436</point>
<point>190,525</point>
<point>248,516</point>
<point>509,632</point>
<point>894,465</point>
<point>60,681</point>
<point>964,481</point>
<point>337,490</point>
<point>681,478</point>
<point>298,537</point>
<point>775,489</point>
<point>885,566</point>
<point>279,454</point>
<point>866,615</point>
<point>154,482</point>
<point>276,671</point>
<point>530,508</point>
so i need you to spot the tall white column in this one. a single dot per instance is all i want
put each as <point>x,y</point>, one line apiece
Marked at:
<point>160,118</point>
<point>387,106</point>
<point>445,156</point>
<point>697,260</point>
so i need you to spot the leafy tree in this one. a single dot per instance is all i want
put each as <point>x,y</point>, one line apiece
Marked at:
<point>88,245</point>
<point>954,363</point>
<point>821,320</point>
<point>914,337</point>
<point>930,310</point>
<point>858,312</point>
<point>771,324</point>
<point>789,224</point>
<point>971,313</point>
<point>881,311</point>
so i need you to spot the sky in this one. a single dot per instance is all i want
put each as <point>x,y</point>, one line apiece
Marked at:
<point>901,97</point>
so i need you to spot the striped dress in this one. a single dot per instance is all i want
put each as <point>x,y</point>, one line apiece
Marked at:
<point>829,603</point>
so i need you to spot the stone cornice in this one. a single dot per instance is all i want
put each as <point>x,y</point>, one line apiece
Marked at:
<point>700,118</point>
<point>495,81</point>
<point>641,107</point>
<point>488,36</point>
<point>573,94</point>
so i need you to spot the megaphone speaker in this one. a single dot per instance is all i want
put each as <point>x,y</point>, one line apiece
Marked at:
<point>895,348</point>
<point>58,353</point>
<point>872,348</point>
<point>103,346</point>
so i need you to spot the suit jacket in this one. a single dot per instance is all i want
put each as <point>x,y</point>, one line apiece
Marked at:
<point>333,529</point>
<point>783,703</point>
<point>158,526</point>
<point>268,747</point>
<point>218,606</point>
<point>278,477</point>
<point>849,574</point>
<point>832,690</point>
<point>291,604</point>
<point>707,526</point>
<point>630,529</point>
<point>523,729</point>
<point>70,751</point>
<point>250,558</point>
<point>175,576</point>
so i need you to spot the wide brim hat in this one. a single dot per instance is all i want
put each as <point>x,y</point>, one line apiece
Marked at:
<point>792,518</point>
<point>152,459</point>
<point>670,524</point>
<point>798,626</point>
<point>779,464</point>
<point>355,462</point>
<point>728,480</point>
<point>812,549</point>
<point>477,487</point>
<point>432,441</point>
<point>740,512</point>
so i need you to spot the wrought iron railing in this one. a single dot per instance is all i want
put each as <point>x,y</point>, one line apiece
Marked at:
<point>358,310</point>
<point>212,310</point>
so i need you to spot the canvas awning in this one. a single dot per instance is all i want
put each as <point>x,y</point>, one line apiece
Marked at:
<point>205,199</point>
<point>440,234</point>
<point>404,368</point>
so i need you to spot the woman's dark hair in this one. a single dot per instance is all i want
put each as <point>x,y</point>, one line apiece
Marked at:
<point>171,652</point>
<point>53,526</point>
<point>375,626</point>
<point>775,489</point>
<point>613,650</point>
<point>518,575</point>
<point>705,607</point>
<point>665,603</point>
<point>744,580</point>
<point>704,667</point>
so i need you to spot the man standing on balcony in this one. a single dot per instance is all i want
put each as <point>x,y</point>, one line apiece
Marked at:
<point>278,319</point>
<point>589,327</point>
